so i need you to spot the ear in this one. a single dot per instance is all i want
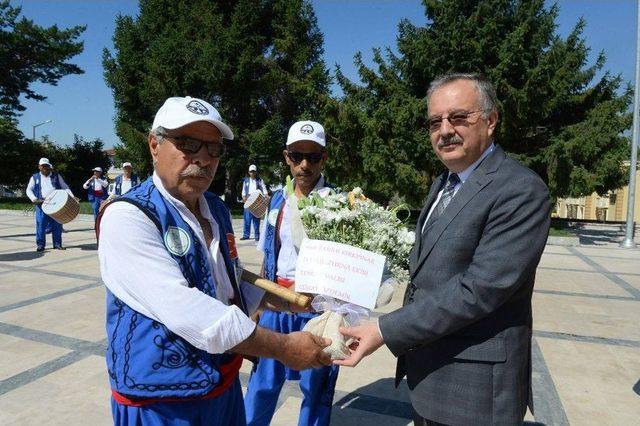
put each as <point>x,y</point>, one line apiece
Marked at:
<point>286,158</point>
<point>153,145</point>
<point>325,156</point>
<point>492,122</point>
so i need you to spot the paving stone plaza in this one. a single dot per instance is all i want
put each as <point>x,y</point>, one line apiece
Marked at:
<point>586,348</point>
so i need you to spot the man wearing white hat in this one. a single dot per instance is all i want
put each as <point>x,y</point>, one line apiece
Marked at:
<point>40,185</point>
<point>96,190</point>
<point>306,155</point>
<point>125,181</point>
<point>177,316</point>
<point>250,185</point>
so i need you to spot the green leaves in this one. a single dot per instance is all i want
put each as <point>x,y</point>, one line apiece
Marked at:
<point>554,115</point>
<point>258,63</point>
<point>30,53</point>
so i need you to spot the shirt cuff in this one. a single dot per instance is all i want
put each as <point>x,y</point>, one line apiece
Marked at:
<point>230,330</point>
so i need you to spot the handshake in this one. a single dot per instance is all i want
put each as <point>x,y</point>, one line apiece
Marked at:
<point>299,350</point>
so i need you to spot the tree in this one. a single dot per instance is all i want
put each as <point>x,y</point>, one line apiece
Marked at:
<point>18,156</point>
<point>30,53</point>
<point>555,116</point>
<point>258,63</point>
<point>75,161</point>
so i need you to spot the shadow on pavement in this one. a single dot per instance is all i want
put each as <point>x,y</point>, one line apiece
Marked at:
<point>33,234</point>
<point>636,387</point>
<point>357,407</point>
<point>22,255</point>
<point>597,237</point>
<point>86,247</point>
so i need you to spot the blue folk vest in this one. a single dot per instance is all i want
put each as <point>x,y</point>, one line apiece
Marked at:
<point>272,242</point>
<point>90,193</point>
<point>118,188</point>
<point>246,183</point>
<point>55,181</point>
<point>144,358</point>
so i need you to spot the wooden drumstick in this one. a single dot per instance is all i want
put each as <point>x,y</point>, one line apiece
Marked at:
<point>273,288</point>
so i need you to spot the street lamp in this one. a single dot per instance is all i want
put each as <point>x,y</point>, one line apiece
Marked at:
<point>628,242</point>
<point>36,125</point>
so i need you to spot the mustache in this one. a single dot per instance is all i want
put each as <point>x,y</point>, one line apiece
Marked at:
<point>194,170</point>
<point>449,140</point>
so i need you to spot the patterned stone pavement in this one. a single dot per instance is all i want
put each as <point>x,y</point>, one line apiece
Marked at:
<point>586,338</point>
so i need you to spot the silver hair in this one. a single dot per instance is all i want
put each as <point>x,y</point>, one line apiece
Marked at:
<point>159,133</point>
<point>487,94</point>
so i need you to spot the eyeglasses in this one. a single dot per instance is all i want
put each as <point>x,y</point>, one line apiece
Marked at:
<point>311,157</point>
<point>193,146</point>
<point>458,118</point>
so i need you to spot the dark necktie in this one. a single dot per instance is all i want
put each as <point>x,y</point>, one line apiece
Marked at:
<point>445,199</point>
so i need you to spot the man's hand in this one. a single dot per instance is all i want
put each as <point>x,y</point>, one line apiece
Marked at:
<point>38,201</point>
<point>367,339</point>
<point>304,350</point>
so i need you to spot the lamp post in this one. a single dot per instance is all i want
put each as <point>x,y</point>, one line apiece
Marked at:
<point>628,238</point>
<point>36,125</point>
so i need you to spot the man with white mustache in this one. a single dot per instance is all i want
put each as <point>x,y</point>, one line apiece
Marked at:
<point>177,315</point>
<point>463,335</point>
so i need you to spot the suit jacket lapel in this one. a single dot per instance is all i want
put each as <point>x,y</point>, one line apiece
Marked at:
<point>480,177</point>
<point>433,193</point>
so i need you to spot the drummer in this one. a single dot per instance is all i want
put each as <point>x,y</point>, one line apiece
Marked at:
<point>250,185</point>
<point>96,190</point>
<point>40,185</point>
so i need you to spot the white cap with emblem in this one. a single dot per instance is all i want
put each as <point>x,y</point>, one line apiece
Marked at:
<point>306,131</point>
<point>178,112</point>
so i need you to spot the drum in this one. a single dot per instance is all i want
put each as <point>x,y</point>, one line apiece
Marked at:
<point>61,206</point>
<point>257,204</point>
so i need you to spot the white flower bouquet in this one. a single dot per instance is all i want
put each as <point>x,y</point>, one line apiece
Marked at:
<point>351,218</point>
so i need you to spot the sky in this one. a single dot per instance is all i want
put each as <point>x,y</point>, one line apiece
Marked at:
<point>83,104</point>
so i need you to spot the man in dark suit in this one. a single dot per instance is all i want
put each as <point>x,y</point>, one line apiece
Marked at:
<point>463,336</point>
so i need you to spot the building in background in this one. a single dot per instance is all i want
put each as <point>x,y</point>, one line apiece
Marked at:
<point>607,208</point>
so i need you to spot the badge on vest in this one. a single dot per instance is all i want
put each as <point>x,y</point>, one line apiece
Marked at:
<point>177,241</point>
<point>273,217</point>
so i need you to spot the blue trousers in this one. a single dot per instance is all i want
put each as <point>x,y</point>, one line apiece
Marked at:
<point>268,376</point>
<point>43,222</point>
<point>248,220</point>
<point>95,204</point>
<point>226,409</point>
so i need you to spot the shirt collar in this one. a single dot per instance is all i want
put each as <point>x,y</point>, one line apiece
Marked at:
<point>464,175</point>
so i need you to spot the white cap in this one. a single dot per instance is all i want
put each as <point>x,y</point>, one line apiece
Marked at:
<point>126,164</point>
<point>178,112</point>
<point>306,131</point>
<point>253,168</point>
<point>44,160</point>
<point>97,169</point>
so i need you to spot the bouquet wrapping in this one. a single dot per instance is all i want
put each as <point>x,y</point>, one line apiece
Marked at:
<point>350,218</point>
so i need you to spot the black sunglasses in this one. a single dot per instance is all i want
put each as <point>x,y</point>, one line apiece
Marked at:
<point>193,146</point>
<point>311,157</point>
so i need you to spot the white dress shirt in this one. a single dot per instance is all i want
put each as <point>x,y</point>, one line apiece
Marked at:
<point>138,269</point>
<point>253,187</point>
<point>46,187</point>
<point>288,256</point>
<point>98,184</point>
<point>463,175</point>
